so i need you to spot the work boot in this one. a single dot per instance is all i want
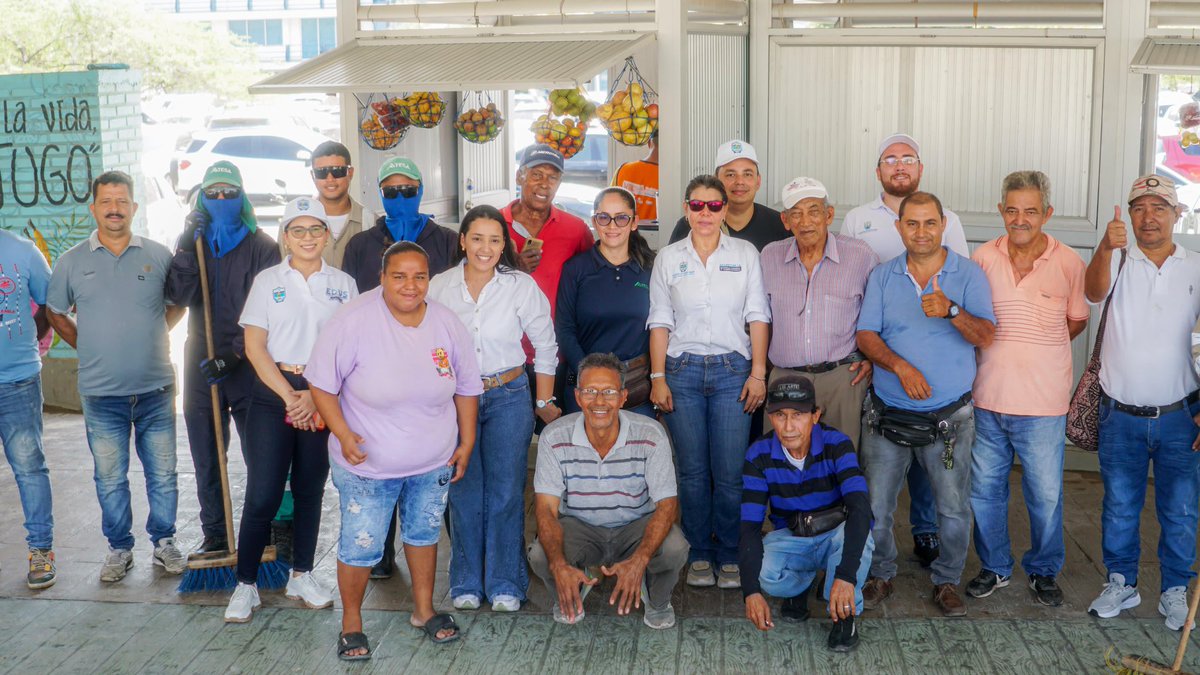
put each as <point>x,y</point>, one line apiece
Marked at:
<point>214,544</point>
<point>945,596</point>
<point>875,591</point>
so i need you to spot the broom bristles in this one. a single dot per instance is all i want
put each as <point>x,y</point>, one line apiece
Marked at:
<point>271,575</point>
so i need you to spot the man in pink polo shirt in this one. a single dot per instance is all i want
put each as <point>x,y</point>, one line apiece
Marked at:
<point>1023,388</point>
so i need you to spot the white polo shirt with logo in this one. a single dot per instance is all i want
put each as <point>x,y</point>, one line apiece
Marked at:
<point>875,224</point>
<point>292,309</point>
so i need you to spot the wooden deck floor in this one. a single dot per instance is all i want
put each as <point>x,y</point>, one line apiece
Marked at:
<point>142,625</point>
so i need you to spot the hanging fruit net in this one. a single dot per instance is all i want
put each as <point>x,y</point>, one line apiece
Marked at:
<point>565,133</point>
<point>631,112</point>
<point>572,103</point>
<point>1189,124</point>
<point>423,108</point>
<point>382,124</point>
<point>480,121</point>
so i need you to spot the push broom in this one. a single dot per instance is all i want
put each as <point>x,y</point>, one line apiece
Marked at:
<point>214,571</point>
<point>1134,664</point>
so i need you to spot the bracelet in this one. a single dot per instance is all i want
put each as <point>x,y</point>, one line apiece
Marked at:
<point>655,376</point>
<point>760,379</point>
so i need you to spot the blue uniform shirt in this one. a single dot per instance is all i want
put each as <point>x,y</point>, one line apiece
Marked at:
<point>892,308</point>
<point>24,276</point>
<point>602,308</point>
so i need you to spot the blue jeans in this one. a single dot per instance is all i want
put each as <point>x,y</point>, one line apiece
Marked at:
<point>367,505</point>
<point>709,431</point>
<point>487,505</point>
<point>790,563</point>
<point>108,420</point>
<point>1038,442</point>
<point>922,511</point>
<point>1127,446</point>
<point>21,434</point>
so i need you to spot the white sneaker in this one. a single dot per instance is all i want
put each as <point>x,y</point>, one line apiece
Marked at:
<point>730,576</point>
<point>242,604</point>
<point>308,590</point>
<point>506,603</point>
<point>467,601</point>
<point>1172,604</point>
<point>1115,597</point>
<point>116,564</point>
<point>169,557</point>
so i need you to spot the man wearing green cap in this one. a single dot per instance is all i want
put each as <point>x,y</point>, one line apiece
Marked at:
<point>235,251</point>
<point>401,188</point>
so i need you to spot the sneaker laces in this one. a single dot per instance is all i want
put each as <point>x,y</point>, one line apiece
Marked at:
<point>1175,599</point>
<point>1113,589</point>
<point>40,560</point>
<point>243,592</point>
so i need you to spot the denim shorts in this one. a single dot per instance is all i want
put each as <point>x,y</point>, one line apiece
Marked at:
<point>367,505</point>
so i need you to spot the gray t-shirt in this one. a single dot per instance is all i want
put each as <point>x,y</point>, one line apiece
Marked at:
<point>120,307</point>
<point>609,492</point>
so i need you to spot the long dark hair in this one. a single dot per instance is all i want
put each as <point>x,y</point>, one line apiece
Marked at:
<point>508,257</point>
<point>639,249</point>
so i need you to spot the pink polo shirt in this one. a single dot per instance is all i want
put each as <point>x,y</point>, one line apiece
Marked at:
<point>1027,369</point>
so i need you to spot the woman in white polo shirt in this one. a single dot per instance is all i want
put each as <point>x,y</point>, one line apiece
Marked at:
<point>286,307</point>
<point>499,305</point>
<point>708,373</point>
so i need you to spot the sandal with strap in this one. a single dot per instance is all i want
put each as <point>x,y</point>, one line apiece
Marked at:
<point>438,623</point>
<point>348,642</point>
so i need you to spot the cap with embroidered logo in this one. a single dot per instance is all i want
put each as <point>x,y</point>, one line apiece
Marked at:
<point>1158,186</point>
<point>222,172</point>
<point>303,206</point>
<point>802,188</point>
<point>735,149</point>
<point>399,166</point>
<point>790,389</point>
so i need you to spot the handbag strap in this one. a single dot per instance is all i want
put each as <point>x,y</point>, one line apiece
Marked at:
<point>1104,313</point>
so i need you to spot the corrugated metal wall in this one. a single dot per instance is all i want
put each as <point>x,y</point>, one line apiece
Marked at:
<point>717,75</point>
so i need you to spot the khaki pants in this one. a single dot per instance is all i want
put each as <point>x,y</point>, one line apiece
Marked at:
<point>840,402</point>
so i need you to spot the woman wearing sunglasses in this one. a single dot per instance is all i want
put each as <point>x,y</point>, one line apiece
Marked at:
<point>708,373</point>
<point>499,305</point>
<point>604,299</point>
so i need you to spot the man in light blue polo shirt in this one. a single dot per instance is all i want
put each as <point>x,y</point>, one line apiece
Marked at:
<point>922,317</point>
<point>115,282</point>
<point>24,276</point>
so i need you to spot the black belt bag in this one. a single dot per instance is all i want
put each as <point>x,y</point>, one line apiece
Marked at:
<point>911,429</point>
<point>812,523</point>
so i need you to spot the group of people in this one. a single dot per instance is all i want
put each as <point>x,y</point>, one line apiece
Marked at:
<point>414,364</point>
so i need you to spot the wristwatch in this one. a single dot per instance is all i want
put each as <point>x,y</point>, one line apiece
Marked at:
<point>952,312</point>
<point>542,404</point>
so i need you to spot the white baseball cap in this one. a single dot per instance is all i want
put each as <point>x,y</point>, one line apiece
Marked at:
<point>735,149</point>
<point>900,138</point>
<point>303,206</point>
<point>802,188</point>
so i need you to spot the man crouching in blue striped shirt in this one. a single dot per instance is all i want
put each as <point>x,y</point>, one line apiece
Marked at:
<point>820,511</point>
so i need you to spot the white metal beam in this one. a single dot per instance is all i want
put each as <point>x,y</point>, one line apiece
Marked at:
<point>672,19</point>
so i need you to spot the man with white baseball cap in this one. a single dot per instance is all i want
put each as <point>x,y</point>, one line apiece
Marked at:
<point>815,282</point>
<point>737,169</point>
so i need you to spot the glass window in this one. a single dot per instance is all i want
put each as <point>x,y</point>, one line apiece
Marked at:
<point>317,36</point>
<point>1176,148</point>
<point>262,32</point>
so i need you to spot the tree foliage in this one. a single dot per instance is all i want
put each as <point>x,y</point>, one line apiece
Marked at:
<point>172,55</point>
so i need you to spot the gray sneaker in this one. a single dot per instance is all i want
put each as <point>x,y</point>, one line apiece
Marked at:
<point>1172,604</point>
<point>42,572</point>
<point>730,576</point>
<point>700,574</point>
<point>1115,597</point>
<point>169,557</point>
<point>116,564</point>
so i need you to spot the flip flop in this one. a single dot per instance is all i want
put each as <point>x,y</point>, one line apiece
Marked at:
<point>438,623</point>
<point>348,642</point>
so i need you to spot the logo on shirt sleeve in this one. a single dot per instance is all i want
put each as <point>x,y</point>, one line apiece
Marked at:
<point>337,294</point>
<point>278,294</point>
<point>441,361</point>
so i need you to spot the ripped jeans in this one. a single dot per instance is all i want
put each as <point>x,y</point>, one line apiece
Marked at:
<point>367,503</point>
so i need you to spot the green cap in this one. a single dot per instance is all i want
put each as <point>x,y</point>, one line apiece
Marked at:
<point>222,172</point>
<point>401,166</point>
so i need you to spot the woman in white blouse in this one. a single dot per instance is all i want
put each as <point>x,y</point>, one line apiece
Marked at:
<point>499,305</point>
<point>708,373</point>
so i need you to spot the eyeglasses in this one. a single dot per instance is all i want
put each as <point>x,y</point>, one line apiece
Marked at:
<point>589,393</point>
<point>313,231</point>
<point>697,205</point>
<point>393,191</point>
<point>907,160</point>
<point>222,193</point>
<point>790,395</point>
<point>323,172</point>
<point>603,219</point>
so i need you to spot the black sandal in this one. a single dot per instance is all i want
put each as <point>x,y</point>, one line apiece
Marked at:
<point>438,623</point>
<point>348,642</point>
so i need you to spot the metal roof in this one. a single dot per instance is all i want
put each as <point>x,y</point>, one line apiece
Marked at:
<point>456,64</point>
<point>1164,56</point>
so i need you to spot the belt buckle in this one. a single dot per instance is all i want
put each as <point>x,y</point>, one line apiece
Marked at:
<point>491,382</point>
<point>1157,412</point>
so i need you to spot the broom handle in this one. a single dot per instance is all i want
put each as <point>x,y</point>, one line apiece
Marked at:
<point>222,461</point>
<point>1187,629</point>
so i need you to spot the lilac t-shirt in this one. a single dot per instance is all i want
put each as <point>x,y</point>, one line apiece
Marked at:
<point>396,384</point>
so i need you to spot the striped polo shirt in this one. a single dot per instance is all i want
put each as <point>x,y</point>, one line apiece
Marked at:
<point>620,488</point>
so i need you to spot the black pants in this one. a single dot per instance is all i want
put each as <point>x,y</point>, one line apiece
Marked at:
<point>275,448</point>
<point>234,396</point>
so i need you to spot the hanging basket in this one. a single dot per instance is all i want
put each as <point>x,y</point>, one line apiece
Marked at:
<point>424,109</point>
<point>565,134</point>
<point>480,121</point>
<point>1189,124</point>
<point>631,112</point>
<point>572,103</point>
<point>382,124</point>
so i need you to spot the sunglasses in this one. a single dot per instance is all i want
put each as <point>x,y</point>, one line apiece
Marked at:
<point>223,193</point>
<point>604,219</point>
<point>907,160</point>
<point>393,191</point>
<point>323,172</point>
<point>313,231</point>
<point>790,395</point>
<point>697,205</point>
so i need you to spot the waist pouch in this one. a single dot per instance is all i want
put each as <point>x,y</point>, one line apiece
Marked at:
<point>812,523</point>
<point>911,429</point>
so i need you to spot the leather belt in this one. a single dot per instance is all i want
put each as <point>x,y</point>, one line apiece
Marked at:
<point>825,367</point>
<point>1150,410</point>
<point>291,368</point>
<point>492,381</point>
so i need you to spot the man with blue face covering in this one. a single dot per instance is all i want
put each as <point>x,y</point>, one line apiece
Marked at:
<point>235,251</point>
<point>401,188</point>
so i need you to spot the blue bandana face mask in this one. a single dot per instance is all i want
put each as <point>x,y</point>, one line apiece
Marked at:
<point>226,229</point>
<point>403,220</point>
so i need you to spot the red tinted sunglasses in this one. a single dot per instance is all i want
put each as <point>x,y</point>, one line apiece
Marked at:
<point>697,205</point>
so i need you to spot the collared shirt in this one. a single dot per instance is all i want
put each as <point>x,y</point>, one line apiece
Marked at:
<point>1146,357</point>
<point>510,306</point>
<point>24,276</point>
<point>624,485</point>
<point>892,308</point>
<point>563,235</point>
<point>602,307</point>
<point>1027,370</point>
<point>120,305</point>
<point>706,306</point>
<point>875,223</point>
<point>765,226</point>
<point>815,322</point>
<point>292,309</point>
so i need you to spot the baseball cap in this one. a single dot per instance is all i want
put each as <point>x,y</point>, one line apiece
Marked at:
<point>792,390</point>
<point>735,149</point>
<point>303,206</point>
<point>900,138</point>
<point>223,171</point>
<point>1159,186</point>
<point>540,155</point>
<point>802,188</point>
<point>399,166</point>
